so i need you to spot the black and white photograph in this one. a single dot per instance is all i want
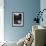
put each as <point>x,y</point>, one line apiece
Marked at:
<point>17,18</point>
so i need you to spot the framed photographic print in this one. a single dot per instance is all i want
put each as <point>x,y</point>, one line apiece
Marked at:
<point>17,19</point>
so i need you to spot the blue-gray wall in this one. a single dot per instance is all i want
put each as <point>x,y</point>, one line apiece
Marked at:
<point>43,6</point>
<point>29,7</point>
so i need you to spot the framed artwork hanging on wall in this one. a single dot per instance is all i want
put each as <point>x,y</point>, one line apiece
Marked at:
<point>17,19</point>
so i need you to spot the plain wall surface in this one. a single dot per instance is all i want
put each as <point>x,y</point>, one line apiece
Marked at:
<point>43,6</point>
<point>29,7</point>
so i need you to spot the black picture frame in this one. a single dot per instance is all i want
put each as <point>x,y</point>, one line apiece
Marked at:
<point>18,19</point>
